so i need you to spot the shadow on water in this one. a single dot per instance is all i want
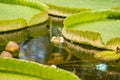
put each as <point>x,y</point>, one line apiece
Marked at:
<point>36,46</point>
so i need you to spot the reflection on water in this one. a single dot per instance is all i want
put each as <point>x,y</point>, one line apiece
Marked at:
<point>41,50</point>
<point>101,66</point>
<point>35,49</point>
<point>92,70</point>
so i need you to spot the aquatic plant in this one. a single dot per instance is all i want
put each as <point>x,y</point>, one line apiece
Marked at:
<point>65,8</point>
<point>17,14</point>
<point>25,70</point>
<point>107,56</point>
<point>95,28</point>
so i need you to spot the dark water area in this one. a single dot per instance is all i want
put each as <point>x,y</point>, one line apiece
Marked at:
<point>37,47</point>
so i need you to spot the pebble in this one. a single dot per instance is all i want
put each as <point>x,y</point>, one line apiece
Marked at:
<point>6,54</point>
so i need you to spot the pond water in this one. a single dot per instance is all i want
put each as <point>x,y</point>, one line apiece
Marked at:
<point>38,47</point>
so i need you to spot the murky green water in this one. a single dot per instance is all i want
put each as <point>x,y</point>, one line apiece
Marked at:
<point>37,47</point>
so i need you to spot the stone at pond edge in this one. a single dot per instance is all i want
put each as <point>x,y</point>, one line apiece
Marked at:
<point>13,48</point>
<point>6,54</point>
<point>57,39</point>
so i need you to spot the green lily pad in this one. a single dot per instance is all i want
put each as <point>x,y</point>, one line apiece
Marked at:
<point>98,29</point>
<point>68,7</point>
<point>13,69</point>
<point>107,55</point>
<point>17,14</point>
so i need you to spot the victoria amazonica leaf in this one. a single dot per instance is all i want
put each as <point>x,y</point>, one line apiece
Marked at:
<point>99,28</point>
<point>13,69</point>
<point>68,7</point>
<point>17,14</point>
<point>107,55</point>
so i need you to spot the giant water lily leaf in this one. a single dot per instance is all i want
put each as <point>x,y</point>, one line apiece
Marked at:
<point>107,55</point>
<point>17,14</point>
<point>68,7</point>
<point>99,29</point>
<point>13,69</point>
